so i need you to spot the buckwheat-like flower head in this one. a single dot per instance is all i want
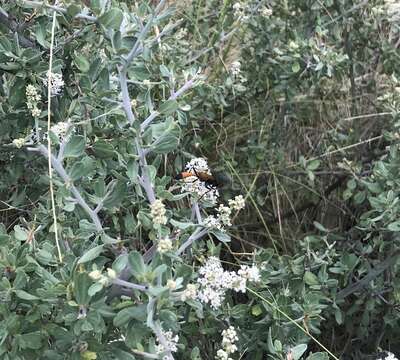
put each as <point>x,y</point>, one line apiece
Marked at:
<point>158,212</point>
<point>164,245</point>
<point>19,143</point>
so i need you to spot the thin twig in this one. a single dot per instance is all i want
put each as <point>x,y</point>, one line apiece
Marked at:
<point>51,186</point>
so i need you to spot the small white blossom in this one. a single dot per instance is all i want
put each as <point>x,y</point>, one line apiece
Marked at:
<point>95,274</point>
<point>388,356</point>
<point>36,112</point>
<point>199,165</point>
<point>146,82</point>
<point>111,273</point>
<point>171,284</point>
<point>235,68</point>
<point>158,212</point>
<point>19,143</point>
<point>171,342</point>
<point>164,245</point>
<point>224,215</point>
<point>265,11</point>
<point>250,273</point>
<point>237,203</point>
<point>229,339</point>
<point>60,129</point>
<point>56,82</point>
<point>212,222</point>
<point>214,281</point>
<point>222,355</point>
<point>190,293</point>
<point>235,282</point>
<point>32,100</point>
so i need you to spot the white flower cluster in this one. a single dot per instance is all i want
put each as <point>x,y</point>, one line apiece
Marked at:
<point>387,355</point>
<point>194,185</point>
<point>235,68</point>
<point>190,293</point>
<point>32,100</point>
<point>164,245</point>
<point>241,11</point>
<point>265,11</point>
<point>19,143</point>
<point>223,218</point>
<point>214,281</point>
<point>171,342</point>
<point>158,211</point>
<point>56,82</point>
<point>104,280</point>
<point>60,129</point>
<point>229,339</point>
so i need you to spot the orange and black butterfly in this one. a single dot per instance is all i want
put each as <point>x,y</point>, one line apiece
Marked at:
<point>209,180</point>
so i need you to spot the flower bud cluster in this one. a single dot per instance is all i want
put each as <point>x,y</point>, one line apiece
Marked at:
<point>190,293</point>
<point>214,281</point>
<point>229,339</point>
<point>164,245</point>
<point>19,143</point>
<point>32,100</point>
<point>104,280</point>
<point>170,345</point>
<point>157,212</point>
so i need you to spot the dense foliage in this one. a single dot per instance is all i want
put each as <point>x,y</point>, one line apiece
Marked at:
<point>106,254</point>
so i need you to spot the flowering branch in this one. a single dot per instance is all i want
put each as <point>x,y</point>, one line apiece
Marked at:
<point>59,168</point>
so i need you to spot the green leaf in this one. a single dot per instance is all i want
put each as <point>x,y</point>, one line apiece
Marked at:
<point>103,149</point>
<point>394,226</point>
<point>112,18</point>
<point>135,312</point>
<point>313,165</point>
<point>25,296</point>
<point>75,146</point>
<point>137,264</point>
<point>310,278</point>
<point>298,351</point>
<point>20,233</point>
<point>296,67</point>
<point>82,63</point>
<point>77,171</point>
<point>94,289</point>
<point>318,356</point>
<point>256,310</point>
<point>82,283</point>
<point>168,107</point>
<point>30,340</point>
<point>91,254</point>
<point>73,10</point>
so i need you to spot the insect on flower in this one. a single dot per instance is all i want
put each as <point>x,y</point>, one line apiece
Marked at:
<point>209,180</point>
